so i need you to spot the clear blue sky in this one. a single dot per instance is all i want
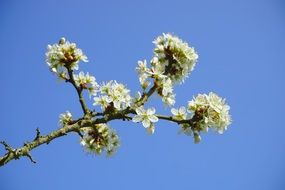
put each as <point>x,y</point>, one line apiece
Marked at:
<point>241,49</point>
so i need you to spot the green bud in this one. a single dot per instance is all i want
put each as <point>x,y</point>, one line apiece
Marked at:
<point>197,138</point>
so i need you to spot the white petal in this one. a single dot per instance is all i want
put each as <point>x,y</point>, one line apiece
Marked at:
<point>137,118</point>
<point>117,104</point>
<point>53,70</point>
<point>108,99</point>
<point>150,111</point>
<point>146,123</point>
<point>139,110</point>
<point>96,101</point>
<point>153,118</point>
<point>174,111</point>
<point>81,74</point>
<point>92,141</point>
<point>220,131</point>
<point>82,142</point>
<point>182,110</point>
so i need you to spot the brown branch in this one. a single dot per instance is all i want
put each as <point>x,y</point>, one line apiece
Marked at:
<point>78,90</point>
<point>146,95</point>
<point>170,118</point>
<point>39,140</point>
<point>75,126</point>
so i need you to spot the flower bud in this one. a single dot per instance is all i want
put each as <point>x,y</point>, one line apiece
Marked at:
<point>197,138</point>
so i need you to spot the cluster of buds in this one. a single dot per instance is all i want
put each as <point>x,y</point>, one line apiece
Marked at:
<point>172,62</point>
<point>100,138</point>
<point>64,55</point>
<point>112,96</point>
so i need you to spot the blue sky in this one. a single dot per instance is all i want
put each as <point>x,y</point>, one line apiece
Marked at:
<point>241,49</point>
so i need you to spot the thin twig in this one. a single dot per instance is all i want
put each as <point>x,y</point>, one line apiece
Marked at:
<point>146,95</point>
<point>39,140</point>
<point>38,134</point>
<point>78,90</point>
<point>31,158</point>
<point>7,147</point>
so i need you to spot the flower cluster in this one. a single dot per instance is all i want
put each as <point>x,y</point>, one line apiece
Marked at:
<point>65,118</point>
<point>100,138</point>
<point>173,61</point>
<point>64,55</point>
<point>86,81</point>
<point>147,117</point>
<point>175,57</point>
<point>210,111</point>
<point>113,95</point>
<point>207,111</point>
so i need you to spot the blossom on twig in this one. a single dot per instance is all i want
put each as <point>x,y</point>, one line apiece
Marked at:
<point>147,117</point>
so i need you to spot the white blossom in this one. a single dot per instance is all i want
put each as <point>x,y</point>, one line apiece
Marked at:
<point>100,138</point>
<point>143,72</point>
<point>87,81</point>
<point>136,98</point>
<point>64,54</point>
<point>65,118</point>
<point>142,67</point>
<point>147,117</point>
<point>175,56</point>
<point>179,113</point>
<point>169,99</point>
<point>213,110</point>
<point>157,73</point>
<point>114,93</point>
<point>103,101</point>
<point>165,90</point>
<point>167,87</point>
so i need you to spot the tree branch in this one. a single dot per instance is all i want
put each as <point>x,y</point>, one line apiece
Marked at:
<point>31,158</point>
<point>78,90</point>
<point>74,126</point>
<point>39,140</point>
<point>145,96</point>
<point>170,118</point>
